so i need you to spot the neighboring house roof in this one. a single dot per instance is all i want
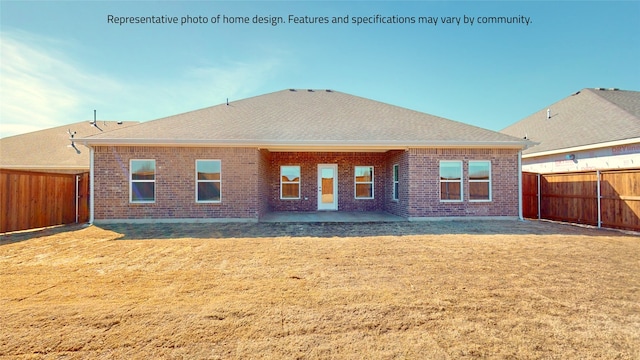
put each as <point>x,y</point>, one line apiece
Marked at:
<point>51,150</point>
<point>590,117</point>
<point>304,119</point>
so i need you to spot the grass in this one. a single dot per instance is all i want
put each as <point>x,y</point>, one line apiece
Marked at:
<point>472,290</point>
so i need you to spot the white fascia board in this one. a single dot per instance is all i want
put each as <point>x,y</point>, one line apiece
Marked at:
<point>308,145</point>
<point>583,147</point>
<point>43,167</point>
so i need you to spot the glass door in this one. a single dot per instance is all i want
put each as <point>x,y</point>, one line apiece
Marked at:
<point>327,187</point>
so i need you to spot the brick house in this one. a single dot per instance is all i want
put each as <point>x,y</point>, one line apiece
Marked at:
<point>302,150</point>
<point>592,129</point>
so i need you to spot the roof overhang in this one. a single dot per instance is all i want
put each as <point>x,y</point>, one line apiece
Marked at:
<point>46,168</point>
<point>583,148</point>
<point>304,145</point>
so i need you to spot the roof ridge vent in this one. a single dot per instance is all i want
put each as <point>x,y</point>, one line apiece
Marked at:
<point>613,89</point>
<point>309,90</point>
<point>292,90</point>
<point>329,90</point>
<point>602,89</point>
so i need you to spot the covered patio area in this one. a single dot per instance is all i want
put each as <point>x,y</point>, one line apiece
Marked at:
<point>330,216</point>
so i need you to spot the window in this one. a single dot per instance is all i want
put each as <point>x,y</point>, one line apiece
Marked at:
<point>364,182</point>
<point>451,180</point>
<point>290,182</point>
<point>479,180</point>
<point>208,181</point>
<point>142,184</point>
<point>396,182</point>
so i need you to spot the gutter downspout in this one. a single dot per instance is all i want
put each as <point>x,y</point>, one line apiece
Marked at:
<point>520,186</point>
<point>91,186</point>
<point>77,181</point>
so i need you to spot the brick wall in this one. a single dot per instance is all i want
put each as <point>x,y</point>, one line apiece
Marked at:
<point>398,207</point>
<point>264,184</point>
<point>250,184</point>
<point>346,162</point>
<point>424,183</point>
<point>175,183</point>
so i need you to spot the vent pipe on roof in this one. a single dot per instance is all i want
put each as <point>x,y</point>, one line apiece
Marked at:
<point>548,113</point>
<point>227,101</point>
<point>94,118</point>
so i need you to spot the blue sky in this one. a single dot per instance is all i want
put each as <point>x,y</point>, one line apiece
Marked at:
<point>60,60</point>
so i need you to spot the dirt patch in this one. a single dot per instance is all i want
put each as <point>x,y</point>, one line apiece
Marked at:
<point>382,290</point>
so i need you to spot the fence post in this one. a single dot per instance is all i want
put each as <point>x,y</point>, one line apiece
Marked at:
<point>538,195</point>
<point>598,197</point>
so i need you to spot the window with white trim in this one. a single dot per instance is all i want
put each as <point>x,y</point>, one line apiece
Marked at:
<point>289,182</point>
<point>142,181</point>
<point>450,180</point>
<point>396,182</point>
<point>364,182</point>
<point>479,180</point>
<point>208,181</point>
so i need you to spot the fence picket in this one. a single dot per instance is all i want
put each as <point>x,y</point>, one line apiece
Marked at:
<point>607,198</point>
<point>31,199</point>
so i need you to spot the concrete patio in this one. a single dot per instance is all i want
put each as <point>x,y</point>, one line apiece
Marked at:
<point>330,216</point>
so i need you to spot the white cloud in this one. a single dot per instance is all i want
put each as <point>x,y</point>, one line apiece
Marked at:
<point>39,86</point>
<point>42,87</point>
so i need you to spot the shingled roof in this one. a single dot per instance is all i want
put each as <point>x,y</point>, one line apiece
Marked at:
<point>50,150</point>
<point>588,117</point>
<point>304,119</point>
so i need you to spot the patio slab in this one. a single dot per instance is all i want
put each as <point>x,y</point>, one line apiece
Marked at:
<point>330,216</point>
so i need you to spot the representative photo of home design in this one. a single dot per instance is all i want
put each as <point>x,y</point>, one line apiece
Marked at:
<point>302,150</point>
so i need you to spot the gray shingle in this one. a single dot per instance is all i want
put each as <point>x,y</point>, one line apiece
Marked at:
<point>306,117</point>
<point>590,116</point>
<point>49,150</point>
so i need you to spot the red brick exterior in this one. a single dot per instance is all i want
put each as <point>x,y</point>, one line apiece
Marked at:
<point>175,183</point>
<point>250,185</point>
<point>424,183</point>
<point>308,163</point>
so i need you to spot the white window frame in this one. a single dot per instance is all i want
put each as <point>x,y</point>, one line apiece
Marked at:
<point>198,181</point>
<point>480,181</point>
<point>131,181</point>
<point>299,182</point>
<point>356,183</point>
<point>395,176</point>
<point>461,181</point>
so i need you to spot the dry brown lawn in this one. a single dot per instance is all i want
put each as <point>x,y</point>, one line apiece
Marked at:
<point>447,290</point>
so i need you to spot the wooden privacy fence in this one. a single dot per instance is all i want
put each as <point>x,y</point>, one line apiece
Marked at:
<point>31,200</point>
<point>601,198</point>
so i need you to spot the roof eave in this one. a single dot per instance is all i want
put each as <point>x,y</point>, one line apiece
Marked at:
<point>582,147</point>
<point>317,145</point>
